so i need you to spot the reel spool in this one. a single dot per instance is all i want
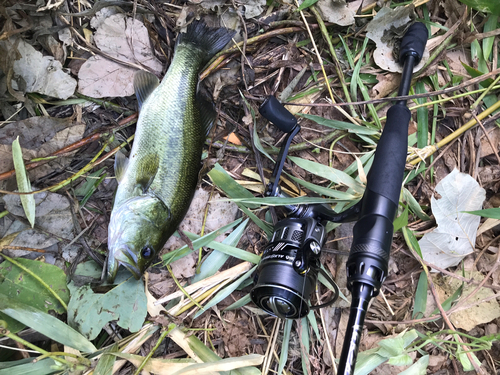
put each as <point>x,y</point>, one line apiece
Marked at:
<point>288,271</point>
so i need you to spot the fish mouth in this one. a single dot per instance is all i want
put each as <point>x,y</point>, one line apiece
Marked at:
<point>134,270</point>
<point>125,257</point>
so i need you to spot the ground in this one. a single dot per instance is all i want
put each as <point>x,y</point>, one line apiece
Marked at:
<point>67,94</point>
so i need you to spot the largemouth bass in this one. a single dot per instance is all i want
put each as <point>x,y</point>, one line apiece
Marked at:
<point>157,183</point>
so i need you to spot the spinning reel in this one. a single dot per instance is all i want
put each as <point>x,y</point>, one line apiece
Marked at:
<point>289,268</point>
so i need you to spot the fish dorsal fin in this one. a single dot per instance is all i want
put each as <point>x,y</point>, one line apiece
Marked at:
<point>147,171</point>
<point>207,112</point>
<point>121,164</point>
<point>144,84</point>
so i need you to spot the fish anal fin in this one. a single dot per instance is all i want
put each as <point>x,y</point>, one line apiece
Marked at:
<point>147,171</point>
<point>121,164</point>
<point>144,84</point>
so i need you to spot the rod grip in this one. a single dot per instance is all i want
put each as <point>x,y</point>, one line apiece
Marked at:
<point>386,174</point>
<point>413,42</point>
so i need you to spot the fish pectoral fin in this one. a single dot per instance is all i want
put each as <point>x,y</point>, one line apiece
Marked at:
<point>144,84</point>
<point>147,171</point>
<point>207,112</point>
<point>121,164</point>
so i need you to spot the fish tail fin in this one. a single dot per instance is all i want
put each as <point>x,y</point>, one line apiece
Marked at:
<point>207,39</point>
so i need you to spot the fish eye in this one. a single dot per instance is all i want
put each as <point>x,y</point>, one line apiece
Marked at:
<point>147,252</point>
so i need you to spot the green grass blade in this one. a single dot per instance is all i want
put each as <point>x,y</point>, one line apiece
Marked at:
<point>279,201</point>
<point>492,213</point>
<point>240,303</point>
<point>418,368</point>
<point>234,190</point>
<point>304,345</point>
<point>402,220</point>
<point>306,4</point>
<point>337,195</point>
<point>414,206</point>
<point>217,259</point>
<point>420,297</point>
<point>422,117</point>
<point>200,242</point>
<point>314,323</point>
<point>46,324</point>
<point>106,362</point>
<point>332,174</point>
<point>490,25</point>
<point>226,183</point>
<point>287,329</point>
<point>411,241</point>
<point>23,182</point>
<point>340,125</point>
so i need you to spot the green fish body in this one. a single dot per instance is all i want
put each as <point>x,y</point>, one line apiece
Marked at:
<point>157,183</point>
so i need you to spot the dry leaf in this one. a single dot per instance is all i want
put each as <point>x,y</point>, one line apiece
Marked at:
<point>125,39</point>
<point>39,137</point>
<point>34,72</point>
<point>386,27</point>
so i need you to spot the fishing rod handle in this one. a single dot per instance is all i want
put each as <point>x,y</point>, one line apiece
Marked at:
<point>369,256</point>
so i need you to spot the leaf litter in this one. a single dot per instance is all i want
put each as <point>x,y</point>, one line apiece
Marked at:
<point>118,33</point>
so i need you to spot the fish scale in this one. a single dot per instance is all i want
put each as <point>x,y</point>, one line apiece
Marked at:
<point>157,184</point>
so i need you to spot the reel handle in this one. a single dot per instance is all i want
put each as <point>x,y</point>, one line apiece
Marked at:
<point>275,112</point>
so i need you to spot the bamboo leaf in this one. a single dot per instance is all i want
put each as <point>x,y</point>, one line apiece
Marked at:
<point>332,193</point>
<point>332,174</point>
<point>240,303</point>
<point>45,366</point>
<point>23,182</point>
<point>340,125</point>
<point>200,242</point>
<point>46,324</point>
<point>106,362</point>
<point>217,258</point>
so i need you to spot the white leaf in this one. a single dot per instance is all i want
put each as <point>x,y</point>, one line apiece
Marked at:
<point>455,236</point>
<point>23,182</point>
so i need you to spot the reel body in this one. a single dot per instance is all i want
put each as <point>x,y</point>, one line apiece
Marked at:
<point>288,271</point>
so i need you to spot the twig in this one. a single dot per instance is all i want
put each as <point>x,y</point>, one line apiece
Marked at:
<point>74,146</point>
<point>493,147</point>
<point>320,60</point>
<point>429,150</point>
<point>465,84</point>
<point>274,150</point>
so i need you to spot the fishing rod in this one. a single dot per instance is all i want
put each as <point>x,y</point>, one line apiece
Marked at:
<point>289,267</point>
